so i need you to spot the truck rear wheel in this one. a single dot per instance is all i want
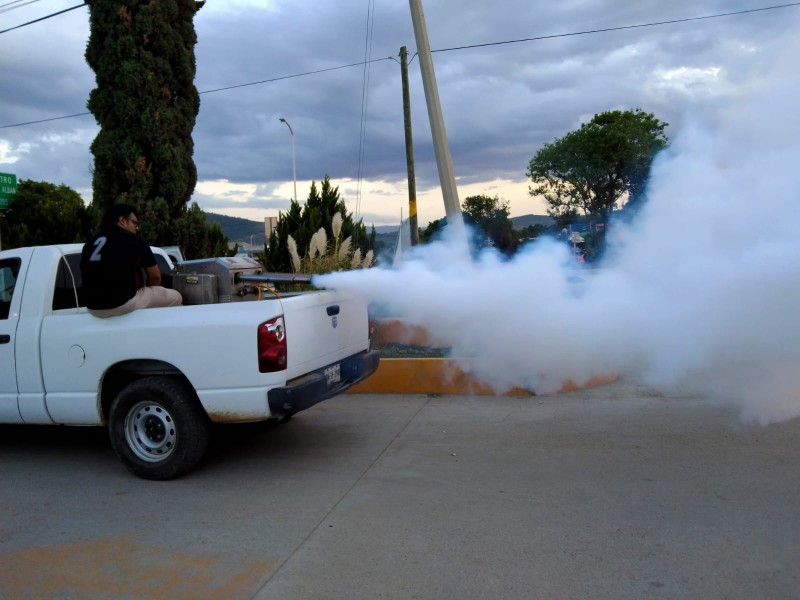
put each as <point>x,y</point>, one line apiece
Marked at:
<point>157,428</point>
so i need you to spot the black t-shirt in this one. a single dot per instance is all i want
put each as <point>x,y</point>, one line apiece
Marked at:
<point>111,267</point>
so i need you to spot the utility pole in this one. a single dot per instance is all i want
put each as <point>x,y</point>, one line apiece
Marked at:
<point>412,184</point>
<point>444,162</point>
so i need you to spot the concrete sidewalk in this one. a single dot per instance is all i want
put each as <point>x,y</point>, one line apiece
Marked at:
<point>609,493</point>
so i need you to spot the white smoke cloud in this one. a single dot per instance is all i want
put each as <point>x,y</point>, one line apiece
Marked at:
<point>701,293</point>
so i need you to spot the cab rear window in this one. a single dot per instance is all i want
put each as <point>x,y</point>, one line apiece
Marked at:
<point>9,269</point>
<point>68,281</point>
<point>68,291</point>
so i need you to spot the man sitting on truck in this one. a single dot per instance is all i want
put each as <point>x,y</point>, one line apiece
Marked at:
<point>112,265</point>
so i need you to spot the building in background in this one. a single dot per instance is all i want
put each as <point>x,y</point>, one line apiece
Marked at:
<point>270,223</point>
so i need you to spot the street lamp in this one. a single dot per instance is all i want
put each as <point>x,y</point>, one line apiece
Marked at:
<point>294,166</point>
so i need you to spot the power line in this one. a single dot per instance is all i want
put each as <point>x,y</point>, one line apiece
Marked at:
<point>620,28</point>
<point>362,63</point>
<point>45,120</point>
<point>222,89</point>
<point>362,138</point>
<point>55,14</point>
<point>281,78</point>
<point>8,5</point>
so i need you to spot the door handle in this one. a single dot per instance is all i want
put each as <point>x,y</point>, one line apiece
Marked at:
<point>4,339</point>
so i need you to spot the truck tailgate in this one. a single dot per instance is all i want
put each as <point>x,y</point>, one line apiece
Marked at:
<point>322,328</point>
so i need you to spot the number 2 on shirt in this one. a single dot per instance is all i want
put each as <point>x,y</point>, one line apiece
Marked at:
<point>98,246</point>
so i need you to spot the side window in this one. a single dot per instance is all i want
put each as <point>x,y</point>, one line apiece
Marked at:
<point>166,272</point>
<point>162,264</point>
<point>68,281</point>
<point>9,269</point>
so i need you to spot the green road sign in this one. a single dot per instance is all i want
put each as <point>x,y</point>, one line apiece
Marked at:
<point>8,188</point>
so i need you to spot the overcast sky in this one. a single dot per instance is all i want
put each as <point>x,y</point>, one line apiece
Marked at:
<point>500,102</point>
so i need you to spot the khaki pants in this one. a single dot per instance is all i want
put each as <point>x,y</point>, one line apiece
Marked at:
<point>146,297</point>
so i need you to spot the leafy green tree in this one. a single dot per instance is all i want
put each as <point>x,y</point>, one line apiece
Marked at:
<point>590,169</point>
<point>531,232</point>
<point>303,222</point>
<point>433,229</point>
<point>43,213</point>
<point>142,53</point>
<point>490,216</point>
<point>594,245</point>
<point>198,238</point>
<point>218,242</point>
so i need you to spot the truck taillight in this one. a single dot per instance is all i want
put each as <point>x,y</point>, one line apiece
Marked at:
<point>272,346</point>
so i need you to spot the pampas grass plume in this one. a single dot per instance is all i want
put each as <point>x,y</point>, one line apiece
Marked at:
<point>292,245</point>
<point>336,225</point>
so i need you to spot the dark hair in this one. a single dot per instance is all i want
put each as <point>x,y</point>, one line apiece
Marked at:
<point>115,211</point>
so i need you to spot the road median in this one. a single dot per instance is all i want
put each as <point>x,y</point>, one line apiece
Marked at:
<point>434,374</point>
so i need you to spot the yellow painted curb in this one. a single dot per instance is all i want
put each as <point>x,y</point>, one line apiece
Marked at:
<point>432,375</point>
<point>441,376</point>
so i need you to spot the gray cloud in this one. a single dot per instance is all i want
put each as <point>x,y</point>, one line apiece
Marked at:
<point>501,103</point>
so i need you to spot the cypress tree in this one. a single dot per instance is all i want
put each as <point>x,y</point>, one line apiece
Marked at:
<point>142,53</point>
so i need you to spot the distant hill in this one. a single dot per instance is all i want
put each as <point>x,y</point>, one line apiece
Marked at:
<point>237,229</point>
<point>240,230</point>
<point>516,222</point>
<point>530,220</point>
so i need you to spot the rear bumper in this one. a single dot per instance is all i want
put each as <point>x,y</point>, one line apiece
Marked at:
<point>306,391</point>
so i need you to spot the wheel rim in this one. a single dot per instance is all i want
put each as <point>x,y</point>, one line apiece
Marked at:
<point>150,431</point>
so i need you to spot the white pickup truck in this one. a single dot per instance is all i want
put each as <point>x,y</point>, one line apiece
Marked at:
<point>158,377</point>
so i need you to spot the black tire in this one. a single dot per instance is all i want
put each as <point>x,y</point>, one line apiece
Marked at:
<point>158,428</point>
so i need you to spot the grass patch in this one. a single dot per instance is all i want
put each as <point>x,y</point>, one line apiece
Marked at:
<point>410,351</point>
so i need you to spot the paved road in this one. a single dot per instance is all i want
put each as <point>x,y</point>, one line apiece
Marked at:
<point>613,492</point>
